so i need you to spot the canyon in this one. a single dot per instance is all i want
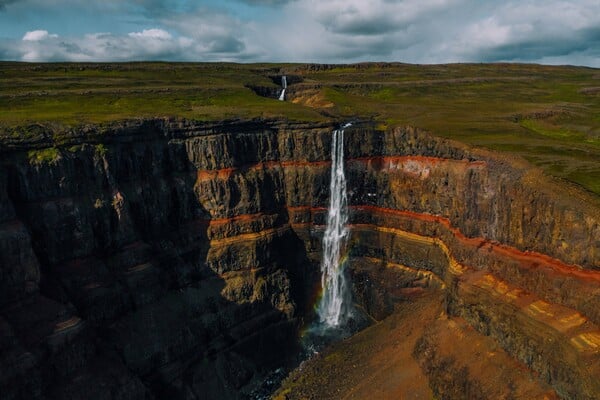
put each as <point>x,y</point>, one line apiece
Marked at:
<point>162,231</point>
<point>166,257</point>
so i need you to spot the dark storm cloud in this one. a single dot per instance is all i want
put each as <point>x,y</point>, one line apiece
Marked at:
<point>4,3</point>
<point>7,51</point>
<point>372,17</point>
<point>586,41</point>
<point>71,48</point>
<point>154,7</point>
<point>226,44</point>
<point>365,27</point>
<point>370,47</point>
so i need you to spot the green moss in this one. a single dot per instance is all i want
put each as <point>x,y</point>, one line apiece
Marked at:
<point>48,155</point>
<point>75,148</point>
<point>101,150</point>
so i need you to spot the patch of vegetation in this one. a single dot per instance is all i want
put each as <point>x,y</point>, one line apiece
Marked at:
<point>48,155</point>
<point>101,150</point>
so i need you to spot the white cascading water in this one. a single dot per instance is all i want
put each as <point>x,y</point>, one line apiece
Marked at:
<point>334,307</point>
<point>284,85</point>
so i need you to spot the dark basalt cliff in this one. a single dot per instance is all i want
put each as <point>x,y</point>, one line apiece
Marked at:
<point>168,258</point>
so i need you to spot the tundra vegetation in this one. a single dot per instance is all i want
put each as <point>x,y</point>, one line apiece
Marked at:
<point>549,115</point>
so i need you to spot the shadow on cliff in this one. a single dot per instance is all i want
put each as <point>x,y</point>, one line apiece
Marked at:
<point>124,243</point>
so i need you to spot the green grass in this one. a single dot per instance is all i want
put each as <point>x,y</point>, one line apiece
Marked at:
<point>202,104</point>
<point>74,94</point>
<point>545,114</point>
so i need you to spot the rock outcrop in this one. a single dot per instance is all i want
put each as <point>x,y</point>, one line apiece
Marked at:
<point>170,258</point>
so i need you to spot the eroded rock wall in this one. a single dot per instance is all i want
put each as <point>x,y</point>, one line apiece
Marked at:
<point>517,255</point>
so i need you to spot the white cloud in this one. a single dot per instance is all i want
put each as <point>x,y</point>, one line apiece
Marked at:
<point>152,34</point>
<point>147,44</point>
<point>419,31</point>
<point>211,42</point>
<point>36,36</point>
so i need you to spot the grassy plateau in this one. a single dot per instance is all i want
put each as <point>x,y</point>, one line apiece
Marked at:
<point>548,115</point>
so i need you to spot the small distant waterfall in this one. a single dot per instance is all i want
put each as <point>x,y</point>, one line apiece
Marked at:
<point>284,85</point>
<point>334,307</point>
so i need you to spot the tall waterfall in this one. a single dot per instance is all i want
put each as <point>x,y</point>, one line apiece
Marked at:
<point>334,307</point>
<point>284,85</point>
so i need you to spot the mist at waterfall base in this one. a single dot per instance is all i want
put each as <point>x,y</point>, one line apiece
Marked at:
<point>336,317</point>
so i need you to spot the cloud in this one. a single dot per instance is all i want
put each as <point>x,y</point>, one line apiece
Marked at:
<point>36,36</point>
<point>528,49</point>
<point>426,31</point>
<point>149,44</point>
<point>418,31</point>
<point>354,30</point>
<point>213,32</point>
<point>533,31</point>
<point>152,34</point>
<point>359,17</point>
<point>4,3</point>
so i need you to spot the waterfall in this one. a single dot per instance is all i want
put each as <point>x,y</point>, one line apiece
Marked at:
<point>284,85</point>
<point>335,303</point>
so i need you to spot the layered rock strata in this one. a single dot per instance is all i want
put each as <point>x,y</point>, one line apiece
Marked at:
<point>174,258</point>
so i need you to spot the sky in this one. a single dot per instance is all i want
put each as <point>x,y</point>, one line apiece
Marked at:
<point>326,31</point>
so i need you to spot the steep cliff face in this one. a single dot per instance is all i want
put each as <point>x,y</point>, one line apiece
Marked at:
<point>173,258</point>
<point>155,259</point>
<point>516,255</point>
